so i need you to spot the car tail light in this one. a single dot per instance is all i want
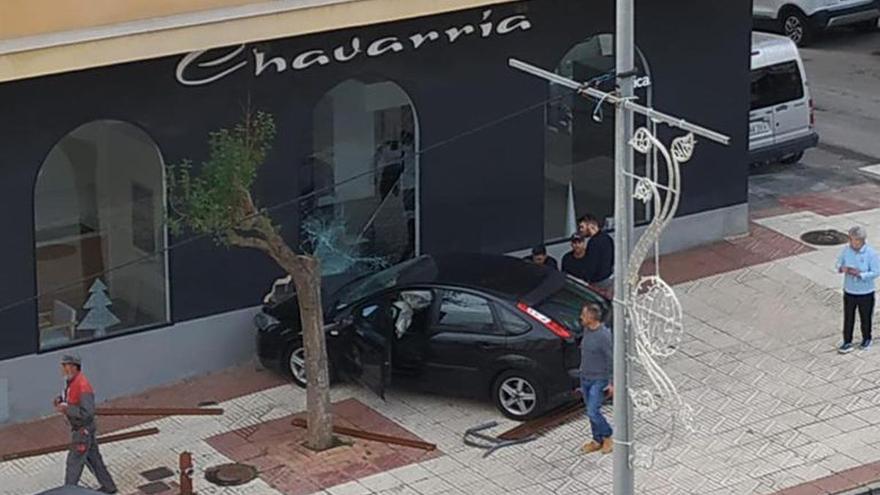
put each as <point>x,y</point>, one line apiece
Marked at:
<point>812,113</point>
<point>559,330</point>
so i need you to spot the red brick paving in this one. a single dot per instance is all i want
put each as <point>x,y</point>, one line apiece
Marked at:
<point>844,481</point>
<point>760,246</point>
<point>837,202</point>
<point>276,449</point>
<point>220,386</point>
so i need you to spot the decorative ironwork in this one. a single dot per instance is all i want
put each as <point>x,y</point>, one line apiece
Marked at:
<point>654,311</point>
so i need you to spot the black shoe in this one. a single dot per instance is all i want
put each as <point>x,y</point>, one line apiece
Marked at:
<point>109,490</point>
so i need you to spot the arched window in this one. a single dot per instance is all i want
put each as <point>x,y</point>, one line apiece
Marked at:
<point>100,235</point>
<point>579,149</point>
<point>364,172</point>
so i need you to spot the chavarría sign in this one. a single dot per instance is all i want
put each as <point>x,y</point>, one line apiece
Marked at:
<point>195,69</point>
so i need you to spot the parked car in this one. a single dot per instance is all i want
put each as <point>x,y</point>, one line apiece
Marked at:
<point>781,118</point>
<point>459,324</point>
<point>801,20</point>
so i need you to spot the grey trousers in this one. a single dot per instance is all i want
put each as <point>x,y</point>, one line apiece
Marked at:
<point>84,452</point>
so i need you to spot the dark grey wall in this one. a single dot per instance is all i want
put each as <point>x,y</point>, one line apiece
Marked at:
<point>482,192</point>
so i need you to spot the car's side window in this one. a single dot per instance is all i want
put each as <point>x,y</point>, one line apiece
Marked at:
<point>511,322</point>
<point>463,312</point>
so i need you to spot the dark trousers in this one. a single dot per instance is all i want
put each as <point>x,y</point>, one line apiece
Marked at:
<point>84,452</point>
<point>865,304</point>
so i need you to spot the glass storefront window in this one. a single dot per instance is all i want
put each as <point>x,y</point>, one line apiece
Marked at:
<point>99,235</point>
<point>579,142</point>
<point>363,171</point>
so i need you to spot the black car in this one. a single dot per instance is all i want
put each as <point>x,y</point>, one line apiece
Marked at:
<point>470,324</point>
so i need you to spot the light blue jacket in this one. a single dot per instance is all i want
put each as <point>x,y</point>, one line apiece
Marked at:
<point>865,260</point>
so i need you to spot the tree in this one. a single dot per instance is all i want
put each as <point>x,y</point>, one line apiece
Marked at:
<point>219,202</point>
<point>99,318</point>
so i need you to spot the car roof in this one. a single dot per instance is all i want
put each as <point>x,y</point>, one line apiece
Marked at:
<point>771,49</point>
<point>504,276</point>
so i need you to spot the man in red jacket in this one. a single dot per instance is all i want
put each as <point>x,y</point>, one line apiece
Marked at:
<point>77,404</point>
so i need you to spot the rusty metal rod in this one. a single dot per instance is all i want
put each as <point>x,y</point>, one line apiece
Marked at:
<point>554,418</point>
<point>62,447</point>
<point>376,437</point>
<point>159,411</point>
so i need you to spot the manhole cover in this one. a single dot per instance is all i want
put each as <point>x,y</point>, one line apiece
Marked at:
<point>825,237</point>
<point>231,474</point>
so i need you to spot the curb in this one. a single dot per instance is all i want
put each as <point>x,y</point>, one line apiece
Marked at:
<point>869,489</point>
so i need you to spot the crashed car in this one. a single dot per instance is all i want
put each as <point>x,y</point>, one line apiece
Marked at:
<point>476,325</point>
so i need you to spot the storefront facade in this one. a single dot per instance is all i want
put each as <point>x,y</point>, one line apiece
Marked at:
<point>406,137</point>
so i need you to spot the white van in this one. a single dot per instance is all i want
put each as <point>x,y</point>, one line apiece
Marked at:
<point>781,117</point>
<point>801,20</point>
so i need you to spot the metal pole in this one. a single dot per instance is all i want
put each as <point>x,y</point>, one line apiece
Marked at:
<point>612,99</point>
<point>623,219</point>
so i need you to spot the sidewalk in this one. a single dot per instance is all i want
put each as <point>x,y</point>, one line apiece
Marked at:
<point>777,409</point>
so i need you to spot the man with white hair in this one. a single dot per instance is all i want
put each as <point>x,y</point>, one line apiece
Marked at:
<point>858,262</point>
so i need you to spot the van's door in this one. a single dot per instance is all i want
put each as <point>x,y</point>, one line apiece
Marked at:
<point>792,114</point>
<point>761,122</point>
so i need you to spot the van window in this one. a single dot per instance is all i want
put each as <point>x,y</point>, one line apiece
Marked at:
<point>776,84</point>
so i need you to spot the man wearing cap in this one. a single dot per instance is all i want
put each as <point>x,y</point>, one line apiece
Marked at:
<point>77,404</point>
<point>575,262</point>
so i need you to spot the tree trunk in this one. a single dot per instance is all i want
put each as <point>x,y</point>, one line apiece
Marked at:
<point>306,274</point>
<point>307,280</point>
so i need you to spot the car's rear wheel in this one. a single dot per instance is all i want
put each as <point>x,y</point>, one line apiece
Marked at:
<point>518,395</point>
<point>294,363</point>
<point>795,25</point>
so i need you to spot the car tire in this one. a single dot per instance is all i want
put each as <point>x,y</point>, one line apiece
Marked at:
<point>518,395</point>
<point>294,365</point>
<point>792,159</point>
<point>868,26</point>
<point>794,24</point>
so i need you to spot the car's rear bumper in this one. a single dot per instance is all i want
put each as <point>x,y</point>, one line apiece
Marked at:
<point>847,15</point>
<point>774,152</point>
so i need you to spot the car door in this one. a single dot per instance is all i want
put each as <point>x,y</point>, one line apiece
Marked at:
<point>464,345</point>
<point>367,359</point>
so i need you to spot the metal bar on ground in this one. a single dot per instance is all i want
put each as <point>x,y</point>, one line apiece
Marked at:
<point>117,437</point>
<point>375,437</point>
<point>554,418</point>
<point>158,411</point>
<point>613,99</point>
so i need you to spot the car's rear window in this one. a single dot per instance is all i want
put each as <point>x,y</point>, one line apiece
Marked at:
<point>776,84</point>
<point>565,305</point>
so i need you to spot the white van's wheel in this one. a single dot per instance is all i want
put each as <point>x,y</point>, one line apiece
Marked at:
<point>792,159</point>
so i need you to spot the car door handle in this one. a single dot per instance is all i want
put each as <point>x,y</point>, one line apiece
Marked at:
<point>782,107</point>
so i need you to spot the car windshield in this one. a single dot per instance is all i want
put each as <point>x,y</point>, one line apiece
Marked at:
<point>565,305</point>
<point>364,286</point>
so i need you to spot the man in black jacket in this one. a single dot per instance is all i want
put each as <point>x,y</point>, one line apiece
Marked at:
<point>600,253</point>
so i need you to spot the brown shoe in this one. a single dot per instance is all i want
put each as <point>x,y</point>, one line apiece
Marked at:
<point>590,447</point>
<point>607,445</point>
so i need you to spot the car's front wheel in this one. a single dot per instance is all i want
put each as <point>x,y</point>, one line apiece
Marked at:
<point>518,395</point>
<point>294,363</point>
<point>795,25</point>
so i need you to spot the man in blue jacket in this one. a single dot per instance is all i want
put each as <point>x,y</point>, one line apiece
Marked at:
<point>858,262</point>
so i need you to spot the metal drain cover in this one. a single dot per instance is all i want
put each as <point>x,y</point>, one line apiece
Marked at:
<point>825,237</point>
<point>231,474</point>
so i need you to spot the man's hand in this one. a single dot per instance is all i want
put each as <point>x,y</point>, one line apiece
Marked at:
<point>854,272</point>
<point>61,407</point>
<point>842,270</point>
<point>609,391</point>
